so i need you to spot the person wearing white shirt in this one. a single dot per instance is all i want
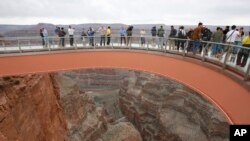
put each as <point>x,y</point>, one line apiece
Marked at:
<point>46,37</point>
<point>232,36</point>
<point>71,35</point>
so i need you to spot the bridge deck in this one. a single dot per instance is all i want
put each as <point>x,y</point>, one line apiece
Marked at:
<point>232,98</point>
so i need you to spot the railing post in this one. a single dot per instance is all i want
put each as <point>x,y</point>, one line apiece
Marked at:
<point>185,48</point>
<point>170,45</point>
<point>247,72</point>
<point>226,57</point>
<point>166,43</point>
<point>3,44</point>
<point>75,43</point>
<point>94,42</point>
<point>204,52</point>
<point>112,42</point>
<point>130,42</point>
<point>148,44</point>
<point>19,46</point>
<point>49,44</point>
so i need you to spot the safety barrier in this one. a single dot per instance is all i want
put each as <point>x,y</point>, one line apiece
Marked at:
<point>227,56</point>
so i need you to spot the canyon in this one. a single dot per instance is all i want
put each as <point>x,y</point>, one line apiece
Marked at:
<point>105,105</point>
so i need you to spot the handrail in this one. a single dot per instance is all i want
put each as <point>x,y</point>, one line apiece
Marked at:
<point>162,44</point>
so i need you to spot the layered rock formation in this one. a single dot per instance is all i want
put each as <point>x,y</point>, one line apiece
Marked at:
<point>123,131</point>
<point>29,109</point>
<point>85,122</point>
<point>105,105</point>
<point>163,110</point>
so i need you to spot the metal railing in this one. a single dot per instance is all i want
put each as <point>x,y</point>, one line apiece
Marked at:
<point>226,56</point>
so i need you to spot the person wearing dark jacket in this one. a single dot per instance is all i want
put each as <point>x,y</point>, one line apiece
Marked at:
<point>62,34</point>
<point>181,35</point>
<point>153,33</point>
<point>41,34</point>
<point>57,31</point>
<point>172,34</point>
<point>129,35</point>
<point>91,34</point>
<point>225,31</point>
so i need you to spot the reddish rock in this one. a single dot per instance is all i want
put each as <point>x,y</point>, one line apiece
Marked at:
<point>29,110</point>
<point>85,121</point>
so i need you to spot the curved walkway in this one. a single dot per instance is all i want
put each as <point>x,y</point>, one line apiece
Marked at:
<point>229,96</point>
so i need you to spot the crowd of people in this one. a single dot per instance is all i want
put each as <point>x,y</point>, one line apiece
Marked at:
<point>230,37</point>
<point>176,39</point>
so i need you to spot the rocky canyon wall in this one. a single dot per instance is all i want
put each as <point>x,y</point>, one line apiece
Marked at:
<point>105,105</point>
<point>161,109</point>
<point>30,109</point>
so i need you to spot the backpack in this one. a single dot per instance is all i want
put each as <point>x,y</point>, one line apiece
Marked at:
<point>181,36</point>
<point>206,35</point>
<point>173,33</point>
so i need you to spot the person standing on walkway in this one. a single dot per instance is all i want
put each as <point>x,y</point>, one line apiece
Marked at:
<point>244,53</point>
<point>83,37</point>
<point>46,37</point>
<point>91,34</point>
<point>232,35</point>
<point>196,37</point>
<point>129,35</point>
<point>217,37</point>
<point>102,31</point>
<point>172,34</point>
<point>181,35</point>
<point>153,33</point>
<point>62,34</point>
<point>239,38</point>
<point>143,33</point>
<point>71,35</point>
<point>160,35</point>
<point>57,39</point>
<point>123,34</point>
<point>108,35</point>
<point>41,34</point>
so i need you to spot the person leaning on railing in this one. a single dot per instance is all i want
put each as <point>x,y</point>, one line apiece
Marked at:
<point>244,52</point>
